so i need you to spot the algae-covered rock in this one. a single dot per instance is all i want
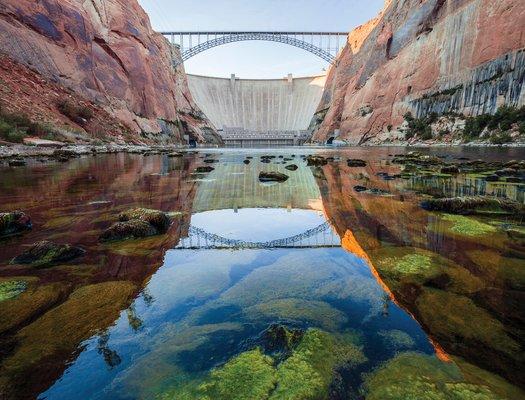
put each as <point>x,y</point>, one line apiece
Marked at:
<point>414,376</point>
<point>250,375</point>
<point>468,226</point>
<point>308,372</point>
<point>12,223</point>
<point>475,204</point>
<point>11,289</point>
<point>158,219</point>
<point>280,338</point>
<point>46,253</point>
<point>133,229</point>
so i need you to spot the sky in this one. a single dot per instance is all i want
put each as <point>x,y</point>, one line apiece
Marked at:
<point>256,59</point>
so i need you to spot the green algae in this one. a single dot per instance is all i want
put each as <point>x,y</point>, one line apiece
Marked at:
<point>414,376</point>
<point>305,375</point>
<point>250,375</point>
<point>397,339</point>
<point>11,289</point>
<point>308,372</point>
<point>468,226</point>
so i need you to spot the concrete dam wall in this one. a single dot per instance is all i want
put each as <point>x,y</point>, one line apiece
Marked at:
<point>258,106</point>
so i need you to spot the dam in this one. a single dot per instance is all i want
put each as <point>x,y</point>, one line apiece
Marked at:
<point>259,112</point>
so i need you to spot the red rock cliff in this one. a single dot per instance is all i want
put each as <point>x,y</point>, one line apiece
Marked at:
<point>106,52</point>
<point>425,56</point>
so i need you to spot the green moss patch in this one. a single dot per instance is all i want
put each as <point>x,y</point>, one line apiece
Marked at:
<point>468,226</point>
<point>11,289</point>
<point>413,376</point>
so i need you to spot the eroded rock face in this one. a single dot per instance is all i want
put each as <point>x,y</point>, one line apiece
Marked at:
<point>424,56</point>
<point>106,51</point>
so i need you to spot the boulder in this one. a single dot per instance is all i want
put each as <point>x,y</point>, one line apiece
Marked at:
<point>132,229</point>
<point>272,177</point>
<point>12,223</point>
<point>47,253</point>
<point>158,219</point>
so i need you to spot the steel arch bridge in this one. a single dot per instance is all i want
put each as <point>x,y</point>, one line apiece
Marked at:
<point>320,236</point>
<point>325,45</point>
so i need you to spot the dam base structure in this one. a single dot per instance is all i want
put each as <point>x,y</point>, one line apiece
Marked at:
<point>259,112</point>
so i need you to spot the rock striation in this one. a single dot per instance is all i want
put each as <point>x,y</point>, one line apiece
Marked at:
<point>107,52</point>
<point>423,57</point>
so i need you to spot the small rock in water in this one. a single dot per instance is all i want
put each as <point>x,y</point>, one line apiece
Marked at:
<point>46,253</point>
<point>356,163</point>
<point>272,177</point>
<point>12,223</point>
<point>18,162</point>
<point>209,161</point>
<point>173,155</point>
<point>204,170</point>
<point>315,161</point>
<point>246,162</point>
<point>158,219</point>
<point>360,189</point>
<point>291,167</point>
<point>492,178</point>
<point>133,229</point>
<point>450,169</point>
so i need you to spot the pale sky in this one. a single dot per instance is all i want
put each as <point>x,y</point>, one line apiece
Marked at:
<point>258,59</point>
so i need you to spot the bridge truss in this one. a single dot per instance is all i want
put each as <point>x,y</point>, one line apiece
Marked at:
<point>320,236</point>
<point>325,45</point>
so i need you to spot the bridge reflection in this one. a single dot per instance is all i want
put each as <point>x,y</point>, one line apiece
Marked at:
<point>320,236</point>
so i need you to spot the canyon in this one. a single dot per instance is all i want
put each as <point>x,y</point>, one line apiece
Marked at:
<point>105,56</point>
<point>435,56</point>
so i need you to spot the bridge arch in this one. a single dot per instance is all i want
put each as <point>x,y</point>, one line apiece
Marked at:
<point>326,51</point>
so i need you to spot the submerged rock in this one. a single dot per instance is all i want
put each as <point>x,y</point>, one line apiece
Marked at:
<point>204,170</point>
<point>132,229</point>
<point>291,167</point>
<point>158,219</point>
<point>48,253</point>
<point>272,177</point>
<point>356,163</point>
<point>474,204</point>
<point>280,338</point>
<point>12,223</point>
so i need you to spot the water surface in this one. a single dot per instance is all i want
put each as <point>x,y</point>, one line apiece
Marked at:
<point>379,283</point>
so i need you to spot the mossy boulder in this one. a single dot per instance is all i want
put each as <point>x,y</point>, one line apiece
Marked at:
<point>279,338</point>
<point>12,223</point>
<point>414,376</point>
<point>158,219</point>
<point>46,253</point>
<point>132,229</point>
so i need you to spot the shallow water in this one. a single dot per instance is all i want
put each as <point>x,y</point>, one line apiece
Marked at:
<point>168,317</point>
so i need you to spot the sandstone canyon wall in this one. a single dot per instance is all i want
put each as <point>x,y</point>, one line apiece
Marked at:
<point>106,52</point>
<point>463,56</point>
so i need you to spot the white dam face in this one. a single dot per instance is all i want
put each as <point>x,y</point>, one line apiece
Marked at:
<point>258,105</point>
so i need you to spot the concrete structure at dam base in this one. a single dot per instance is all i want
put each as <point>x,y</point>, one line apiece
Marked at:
<point>259,112</point>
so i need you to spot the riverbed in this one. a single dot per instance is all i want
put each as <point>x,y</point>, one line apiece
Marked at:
<point>334,284</point>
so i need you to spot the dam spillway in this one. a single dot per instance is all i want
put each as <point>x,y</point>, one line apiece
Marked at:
<point>259,112</point>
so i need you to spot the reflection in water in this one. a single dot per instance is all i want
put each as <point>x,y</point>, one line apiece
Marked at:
<point>299,290</point>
